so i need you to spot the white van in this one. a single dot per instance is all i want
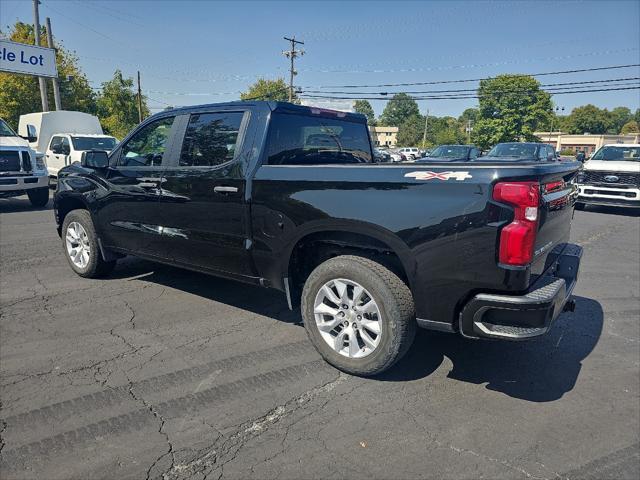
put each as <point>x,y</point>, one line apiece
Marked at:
<point>63,135</point>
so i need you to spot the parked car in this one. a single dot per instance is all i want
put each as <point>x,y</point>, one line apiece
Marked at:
<point>521,152</point>
<point>452,153</point>
<point>61,136</point>
<point>65,148</point>
<point>381,156</point>
<point>611,177</point>
<point>396,156</point>
<point>369,252</point>
<point>21,170</point>
<point>411,153</point>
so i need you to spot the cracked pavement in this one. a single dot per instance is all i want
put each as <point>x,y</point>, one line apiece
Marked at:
<point>156,372</point>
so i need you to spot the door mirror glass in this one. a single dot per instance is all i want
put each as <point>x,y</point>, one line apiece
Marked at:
<point>32,134</point>
<point>95,159</point>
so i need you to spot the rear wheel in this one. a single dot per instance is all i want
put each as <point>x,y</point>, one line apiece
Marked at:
<point>80,244</point>
<point>358,314</point>
<point>38,197</point>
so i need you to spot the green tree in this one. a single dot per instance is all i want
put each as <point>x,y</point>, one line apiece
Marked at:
<point>365,108</point>
<point>619,117</point>
<point>398,110</point>
<point>636,116</point>
<point>264,89</point>
<point>20,94</point>
<point>511,107</point>
<point>117,105</point>
<point>410,131</point>
<point>630,127</point>
<point>589,119</point>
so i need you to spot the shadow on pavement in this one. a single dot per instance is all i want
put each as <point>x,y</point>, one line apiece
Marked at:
<point>620,211</point>
<point>21,204</point>
<point>258,300</point>
<point>539,370</point>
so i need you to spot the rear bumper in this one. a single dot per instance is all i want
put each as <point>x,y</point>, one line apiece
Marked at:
<point>521,317</point>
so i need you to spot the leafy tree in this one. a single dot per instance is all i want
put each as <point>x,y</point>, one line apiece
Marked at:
<point>589,119</point>
<point>117,105</point>
<point>20,94</point>
<point>264,89</point>
<point>630,127</point>
<point>636,116</point>
<point>619,117</point>
<point>365,108</point>
<point>398,110</point>
<point>410,131</point>
<point>512,107</point>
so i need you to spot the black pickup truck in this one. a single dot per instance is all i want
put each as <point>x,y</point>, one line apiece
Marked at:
<point>288,197</point>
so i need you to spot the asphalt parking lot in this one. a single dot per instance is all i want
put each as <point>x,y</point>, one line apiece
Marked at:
<point>156,372</point>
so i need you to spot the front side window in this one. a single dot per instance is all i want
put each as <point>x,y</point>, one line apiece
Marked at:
<point>621,153</point>
<point>147,146</point>
<point>56,142</point>
<point>210,139</point>
<point>316,140</point>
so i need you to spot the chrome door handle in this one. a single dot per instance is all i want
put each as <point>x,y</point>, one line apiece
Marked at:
<point>221,189</point>
<point>148,185</point>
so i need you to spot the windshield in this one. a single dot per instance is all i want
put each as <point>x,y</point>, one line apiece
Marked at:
<point>93,143</point>
<point>5,130</point>
<point>621,153</point>
<point>513,150</point>
<point>450,151</point>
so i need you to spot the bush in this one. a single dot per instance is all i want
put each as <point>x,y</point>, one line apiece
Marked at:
<point>567,152</point>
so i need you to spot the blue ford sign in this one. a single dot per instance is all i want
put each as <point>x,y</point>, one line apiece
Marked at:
<point>27,59</point>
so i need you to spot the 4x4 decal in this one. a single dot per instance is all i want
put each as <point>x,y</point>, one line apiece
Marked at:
<point>459,176</point>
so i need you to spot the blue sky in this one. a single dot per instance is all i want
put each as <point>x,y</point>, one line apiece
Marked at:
<point>204,52</point>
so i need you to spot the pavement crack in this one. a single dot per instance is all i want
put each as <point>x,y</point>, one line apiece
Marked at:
<point>224,451</point>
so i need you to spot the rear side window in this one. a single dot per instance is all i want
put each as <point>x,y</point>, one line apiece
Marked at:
<point>316,140</point>
<point>210,139</point>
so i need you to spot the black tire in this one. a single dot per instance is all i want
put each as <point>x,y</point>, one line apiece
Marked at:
<point>38,197</point>
<point>579,206</point>
<point>393,297</point>
<point>96,267</point>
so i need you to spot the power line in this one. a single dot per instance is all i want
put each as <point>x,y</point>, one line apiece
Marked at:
<point>409,92</point>
<point>461,97</point>
<point>439,82</point>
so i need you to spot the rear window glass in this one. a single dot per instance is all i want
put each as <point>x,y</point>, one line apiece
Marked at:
<point>316,140</point>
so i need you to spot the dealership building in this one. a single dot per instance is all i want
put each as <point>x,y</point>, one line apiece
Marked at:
<point>384,136</point>
<point>586,143</point>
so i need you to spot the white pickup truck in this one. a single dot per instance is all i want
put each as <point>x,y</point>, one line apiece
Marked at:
<point>611,176</point>
<point>21,170</point>
<point>62,136</point>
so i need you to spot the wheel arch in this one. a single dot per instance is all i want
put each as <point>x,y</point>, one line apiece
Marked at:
<point>322,242</point>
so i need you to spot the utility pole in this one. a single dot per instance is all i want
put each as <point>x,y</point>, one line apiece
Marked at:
<point>426,124</point>
<point>56,85</point>
<point>139,99</point>
<point>291,55</point>
<point>41,81</point>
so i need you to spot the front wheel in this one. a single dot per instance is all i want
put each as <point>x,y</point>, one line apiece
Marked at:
<point>38,197</point>
<point>80,244</point>
<point>358,314</point>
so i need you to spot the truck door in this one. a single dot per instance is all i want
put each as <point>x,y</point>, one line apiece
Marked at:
<point>203,195</point>
<point>57,153</point>
<point>129,215</point>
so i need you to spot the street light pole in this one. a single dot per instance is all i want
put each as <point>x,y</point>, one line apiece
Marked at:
<point>56,85</point>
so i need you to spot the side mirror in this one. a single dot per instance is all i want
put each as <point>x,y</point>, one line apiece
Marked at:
<point>57,149</point>
<point>66,149</point>
<point>32,134</point>
<point>580,156</point>
<point>95,159</point>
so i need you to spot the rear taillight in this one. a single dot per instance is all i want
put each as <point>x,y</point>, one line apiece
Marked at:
<point>517,239</point>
